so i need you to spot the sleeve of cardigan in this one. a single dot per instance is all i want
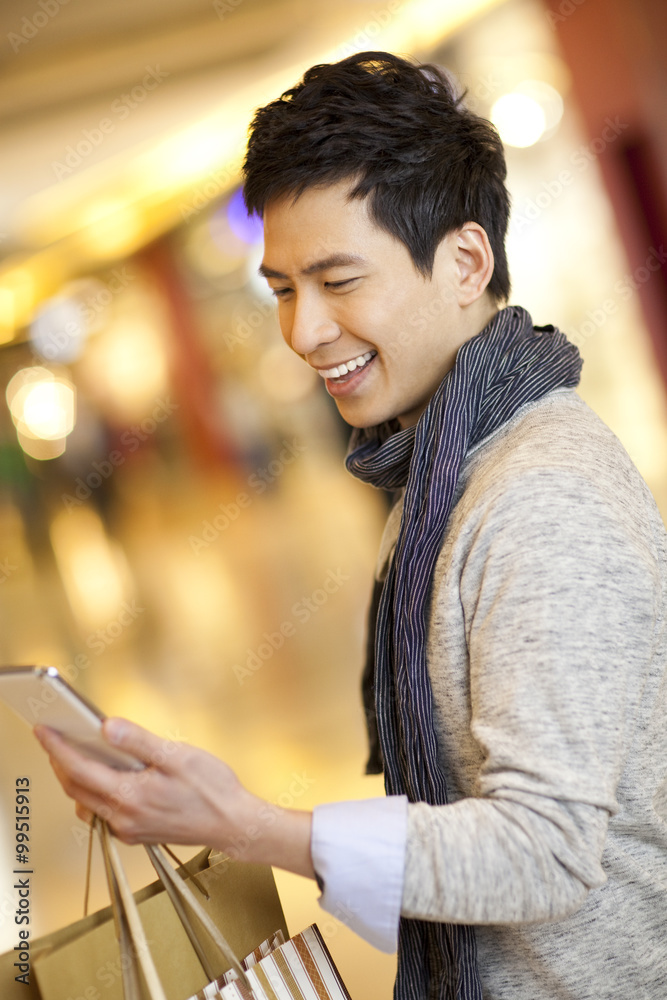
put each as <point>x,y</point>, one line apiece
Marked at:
<point>558,595</point>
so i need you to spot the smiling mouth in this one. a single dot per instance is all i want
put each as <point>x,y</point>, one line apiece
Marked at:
<point>347,368</point>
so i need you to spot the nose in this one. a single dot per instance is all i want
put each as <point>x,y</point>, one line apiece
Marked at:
<point>307,324</point>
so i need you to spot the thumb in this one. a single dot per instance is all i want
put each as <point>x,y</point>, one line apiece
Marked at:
<point>136,740</point>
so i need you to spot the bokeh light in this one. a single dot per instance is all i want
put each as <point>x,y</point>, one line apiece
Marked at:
<point>59,330</point>
<point>42,404</point>
<point>248,228</point>
<point>519,118</point>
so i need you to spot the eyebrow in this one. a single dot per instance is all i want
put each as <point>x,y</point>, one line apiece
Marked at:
<point>334,260</point>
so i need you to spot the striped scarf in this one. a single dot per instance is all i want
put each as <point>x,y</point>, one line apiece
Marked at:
<point>510,363</point>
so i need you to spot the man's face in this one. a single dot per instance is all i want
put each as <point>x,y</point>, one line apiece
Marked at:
<point>353,306</point>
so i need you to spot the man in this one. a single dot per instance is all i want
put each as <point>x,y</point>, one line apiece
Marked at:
<point>521,634</point>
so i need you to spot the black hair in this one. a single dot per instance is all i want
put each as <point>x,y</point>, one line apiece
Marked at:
<point>400,131</point>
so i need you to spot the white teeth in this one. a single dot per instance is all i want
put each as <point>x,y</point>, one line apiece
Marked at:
<point>348,366</point>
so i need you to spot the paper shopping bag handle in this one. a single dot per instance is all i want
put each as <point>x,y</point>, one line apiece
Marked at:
<point>130,932</point>
<point>131,936</point>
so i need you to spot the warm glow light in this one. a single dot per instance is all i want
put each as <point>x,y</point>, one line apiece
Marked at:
<point>203,150</point>
<point>127,365</point>
<point>42,405</point>
<point>7,323</point>
<point>519,118</point>
<point>17,296</point>
<point>48,410</point>
<point>40,448</point>
<point>548,99</point>
<point>109,210</point>
<point>93,568</point>
<point>112,228</point>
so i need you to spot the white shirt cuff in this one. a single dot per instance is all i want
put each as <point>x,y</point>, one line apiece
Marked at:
<point>358,851</point>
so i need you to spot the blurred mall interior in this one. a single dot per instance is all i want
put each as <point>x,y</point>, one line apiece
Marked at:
<point>172,490</point>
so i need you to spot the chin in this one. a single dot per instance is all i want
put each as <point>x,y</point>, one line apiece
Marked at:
<point>361,421</point>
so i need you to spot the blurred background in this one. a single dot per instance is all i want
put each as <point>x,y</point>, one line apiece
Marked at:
<point>177,531</point>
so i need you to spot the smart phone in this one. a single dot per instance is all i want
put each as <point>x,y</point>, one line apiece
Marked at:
<point>39,695</point>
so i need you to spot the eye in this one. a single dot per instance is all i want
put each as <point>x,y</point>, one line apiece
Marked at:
<point>339,284</point>
<point>280,293</point>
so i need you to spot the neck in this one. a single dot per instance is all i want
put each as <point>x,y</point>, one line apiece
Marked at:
<point>475,318</point>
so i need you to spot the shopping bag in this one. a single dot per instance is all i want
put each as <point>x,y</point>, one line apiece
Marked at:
<point>299,969</point>
<point>82,961</point>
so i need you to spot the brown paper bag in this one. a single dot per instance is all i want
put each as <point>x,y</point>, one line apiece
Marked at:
<point>82,961</point>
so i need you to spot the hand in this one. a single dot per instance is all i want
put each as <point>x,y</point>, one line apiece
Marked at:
<point>183,796</point>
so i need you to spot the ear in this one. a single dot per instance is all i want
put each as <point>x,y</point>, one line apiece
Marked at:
<point>474,262</point>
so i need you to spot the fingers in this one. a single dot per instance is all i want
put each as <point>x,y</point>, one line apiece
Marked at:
<point>78,768</point>
<point>116,803</point>
<point>133,739</point>
<point>84,814</point>
<point>88,782</point>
